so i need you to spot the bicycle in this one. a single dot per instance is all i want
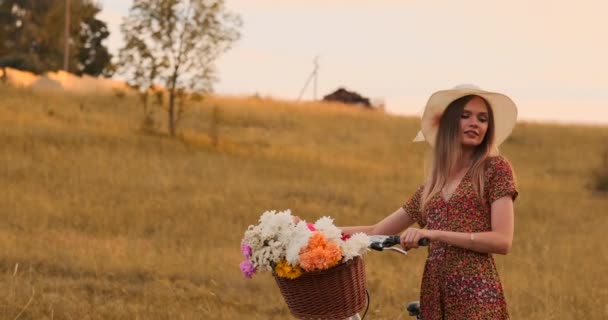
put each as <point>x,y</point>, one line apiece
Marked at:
<point>381,243</point>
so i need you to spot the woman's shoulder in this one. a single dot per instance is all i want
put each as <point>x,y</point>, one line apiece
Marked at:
<point>500,179</point>
<point>498,161</point>
<point>498,165</point>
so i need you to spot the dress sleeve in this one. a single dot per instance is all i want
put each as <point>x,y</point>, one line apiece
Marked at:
<point>501,181</point>
<point>412,207</point>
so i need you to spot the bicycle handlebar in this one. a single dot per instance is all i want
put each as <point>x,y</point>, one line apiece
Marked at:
<point>380,243</point>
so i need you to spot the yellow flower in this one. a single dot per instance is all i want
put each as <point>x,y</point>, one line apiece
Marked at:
<point>285,270</point>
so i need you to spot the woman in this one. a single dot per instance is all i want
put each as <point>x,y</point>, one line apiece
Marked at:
<point>465,207</point>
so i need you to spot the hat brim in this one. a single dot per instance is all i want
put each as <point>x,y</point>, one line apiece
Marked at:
<point>503,108</point>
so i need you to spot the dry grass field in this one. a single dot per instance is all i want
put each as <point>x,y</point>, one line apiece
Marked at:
<point>101,220</point>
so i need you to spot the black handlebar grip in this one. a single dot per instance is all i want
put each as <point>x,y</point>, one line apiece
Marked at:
<point>394,240</point>
<point>424,242</point>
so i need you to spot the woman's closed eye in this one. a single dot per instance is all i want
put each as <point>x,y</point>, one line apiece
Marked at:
<point>481,117</point>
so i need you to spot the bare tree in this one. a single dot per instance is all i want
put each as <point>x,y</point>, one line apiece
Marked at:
<point>175,43</point>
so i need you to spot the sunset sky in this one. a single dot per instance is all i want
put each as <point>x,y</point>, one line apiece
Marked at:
<point>551,57</point>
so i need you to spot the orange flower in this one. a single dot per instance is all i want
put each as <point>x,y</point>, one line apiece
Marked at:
<point>319,254</point>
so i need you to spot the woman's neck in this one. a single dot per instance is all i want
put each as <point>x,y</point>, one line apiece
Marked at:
<point>466,159</point>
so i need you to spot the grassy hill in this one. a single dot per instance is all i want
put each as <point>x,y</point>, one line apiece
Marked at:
<point>101,220</point>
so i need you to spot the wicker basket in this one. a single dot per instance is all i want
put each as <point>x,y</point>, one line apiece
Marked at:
<point>336,293</point>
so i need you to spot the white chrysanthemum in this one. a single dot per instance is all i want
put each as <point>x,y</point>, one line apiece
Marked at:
<point>252,237</point>
<point>268,239</point>
<point>329,230</point>
<point>298,240</point>
<point>268,255</point>
<point>272,223</point>
<point>355,246</point>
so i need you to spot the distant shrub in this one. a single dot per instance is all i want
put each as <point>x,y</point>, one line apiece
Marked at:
<point>197,97</point>
<point>148,124</point>
<point>119,93</point>
<point>214,127</point>
<point>159,97</point>
<point>601,175</point>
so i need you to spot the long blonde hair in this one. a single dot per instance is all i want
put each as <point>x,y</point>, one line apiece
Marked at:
<point>448,150</point>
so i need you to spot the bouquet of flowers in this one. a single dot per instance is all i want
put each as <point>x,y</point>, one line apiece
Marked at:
<point>277,244</point>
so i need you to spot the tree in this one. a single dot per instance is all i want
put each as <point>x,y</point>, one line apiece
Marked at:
<point>23,45</point>
<point>32,36</point>
<point>92,56</point>
<point>176,42</point>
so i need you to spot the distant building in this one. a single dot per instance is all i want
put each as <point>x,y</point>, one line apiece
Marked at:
<point>348,97</point>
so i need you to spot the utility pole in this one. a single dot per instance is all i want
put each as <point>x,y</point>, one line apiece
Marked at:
<point>313,76</point>
<point>66,49</point>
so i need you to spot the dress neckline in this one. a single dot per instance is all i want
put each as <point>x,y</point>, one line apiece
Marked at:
<point>446,201</point>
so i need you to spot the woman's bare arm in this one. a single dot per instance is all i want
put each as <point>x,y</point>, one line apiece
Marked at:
<point>496,241</point>
<point>393,224</point>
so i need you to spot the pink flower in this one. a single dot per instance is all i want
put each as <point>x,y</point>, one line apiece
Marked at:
<point>345,236</point>
<point>311,227</point>
<point>247,269</point>
<point>246,250</point>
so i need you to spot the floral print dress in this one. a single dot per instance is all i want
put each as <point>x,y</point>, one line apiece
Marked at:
<point>459,283</point>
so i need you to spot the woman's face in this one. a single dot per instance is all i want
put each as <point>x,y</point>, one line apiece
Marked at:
<point>474,122</point>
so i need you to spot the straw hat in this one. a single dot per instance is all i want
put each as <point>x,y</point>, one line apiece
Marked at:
<point>504,109</point>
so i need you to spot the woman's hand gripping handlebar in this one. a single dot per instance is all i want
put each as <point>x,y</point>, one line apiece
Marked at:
<point>381,243</point>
